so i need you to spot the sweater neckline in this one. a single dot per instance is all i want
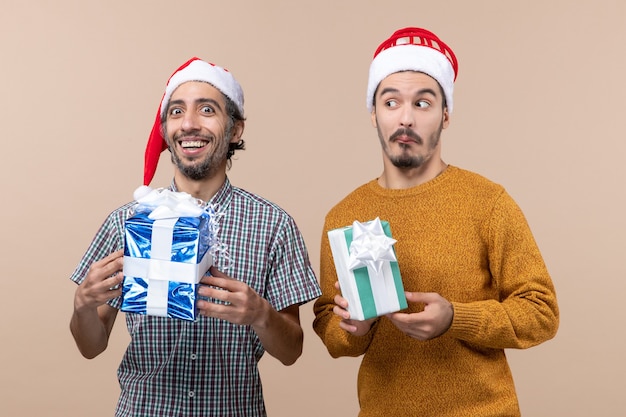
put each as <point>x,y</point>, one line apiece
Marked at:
<point>418,189</point>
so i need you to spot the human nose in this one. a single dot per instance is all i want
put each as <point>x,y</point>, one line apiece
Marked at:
<point>190,121</point>
<point>406,117</point>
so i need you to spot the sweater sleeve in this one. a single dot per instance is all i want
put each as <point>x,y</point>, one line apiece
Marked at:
<point>526,313</point>
<point>326,323</point>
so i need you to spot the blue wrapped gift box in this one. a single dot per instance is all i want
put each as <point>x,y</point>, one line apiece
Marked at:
<point>164,261</point>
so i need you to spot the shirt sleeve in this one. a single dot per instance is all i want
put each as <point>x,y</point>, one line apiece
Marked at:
<point>292,280</point>
<point>526,313</point>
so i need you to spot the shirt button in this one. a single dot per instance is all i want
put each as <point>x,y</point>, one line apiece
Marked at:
<point>191,394</point>
<point>193,356</point>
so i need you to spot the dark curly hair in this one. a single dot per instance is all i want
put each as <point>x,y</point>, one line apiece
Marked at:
<point>234,115</point>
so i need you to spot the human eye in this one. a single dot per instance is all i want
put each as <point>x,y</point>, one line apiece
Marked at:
<point>422,104</point>
<point>391,103</point>
<point>207,109</point>
<point>175,111</point>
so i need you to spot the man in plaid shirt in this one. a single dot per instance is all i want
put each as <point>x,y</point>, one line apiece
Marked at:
<point>206,367</point>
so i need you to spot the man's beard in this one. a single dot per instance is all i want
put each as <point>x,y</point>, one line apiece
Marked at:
<point>211,163</point>
<point>405,160</point>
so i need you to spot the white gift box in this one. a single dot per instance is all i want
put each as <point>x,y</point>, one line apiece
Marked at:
<point>367,269</point>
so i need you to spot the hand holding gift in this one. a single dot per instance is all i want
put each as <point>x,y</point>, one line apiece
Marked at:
<point>102,282</point>
<point>356,327</point>
<point>230,299</point>
<point>433,321</point>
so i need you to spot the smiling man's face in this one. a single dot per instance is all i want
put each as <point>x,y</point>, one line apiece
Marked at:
<point>198,129</point>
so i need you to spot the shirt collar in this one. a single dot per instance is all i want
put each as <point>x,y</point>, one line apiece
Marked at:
<point>222,197</point>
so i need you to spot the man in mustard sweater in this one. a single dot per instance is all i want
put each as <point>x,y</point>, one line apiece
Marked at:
<point>474,279</point>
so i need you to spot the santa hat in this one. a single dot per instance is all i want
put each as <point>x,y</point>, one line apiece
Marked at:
<point>193,70</point>
<point>413,49</point>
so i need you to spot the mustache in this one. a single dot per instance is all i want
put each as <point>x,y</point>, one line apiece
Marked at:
<point>408,133</point>
<point>192,136</point>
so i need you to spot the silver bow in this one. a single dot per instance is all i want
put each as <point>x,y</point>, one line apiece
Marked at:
<point>370,246</point>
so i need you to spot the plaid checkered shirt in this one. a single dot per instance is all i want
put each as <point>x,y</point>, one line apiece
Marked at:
<point>209,367</point>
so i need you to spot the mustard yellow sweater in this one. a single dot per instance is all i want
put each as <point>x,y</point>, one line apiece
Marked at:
<point>462,236</point>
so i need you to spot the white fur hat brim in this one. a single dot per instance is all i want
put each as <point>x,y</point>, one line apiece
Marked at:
<point>199,70</point>
<point>411,57</point>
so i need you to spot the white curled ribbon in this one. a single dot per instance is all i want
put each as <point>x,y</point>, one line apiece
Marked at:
<point>215,244</point>
<point>163,203</point>
<point>167,204</point>
<point>370,246</point>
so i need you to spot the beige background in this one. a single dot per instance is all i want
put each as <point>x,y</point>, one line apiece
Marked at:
<point>539,107</point>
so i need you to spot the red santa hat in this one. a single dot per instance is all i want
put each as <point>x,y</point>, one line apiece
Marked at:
<point>193,70</point>
<point>413,49</point>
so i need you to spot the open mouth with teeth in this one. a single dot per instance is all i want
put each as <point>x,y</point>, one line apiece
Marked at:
<point>193,144</point>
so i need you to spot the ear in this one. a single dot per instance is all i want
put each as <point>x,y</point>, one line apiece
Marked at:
<point>445,122</point>
<point>238,129</point>
<point>373,116</point>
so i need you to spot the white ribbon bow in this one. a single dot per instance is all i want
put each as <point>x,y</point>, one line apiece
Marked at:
<point>370,246</point>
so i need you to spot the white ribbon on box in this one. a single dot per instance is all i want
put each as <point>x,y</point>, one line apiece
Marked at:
<point>370,248</point>
<point>166,207</point>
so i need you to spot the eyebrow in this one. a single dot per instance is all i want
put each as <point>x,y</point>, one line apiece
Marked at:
<point>196,102</point>
<point>419,92</point>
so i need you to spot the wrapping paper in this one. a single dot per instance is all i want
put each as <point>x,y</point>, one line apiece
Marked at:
<point>165,255</point>
<point>367,269</point>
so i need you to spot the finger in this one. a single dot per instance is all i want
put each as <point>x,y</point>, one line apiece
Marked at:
<point>401,318</point>
<point>216,272</point>
<point>209,307</point>
<point>112,257</point>
<point>217,294</point>
<point>345,325</point>
<point>409,319</point>
<point>418,297</point>
<point>114,293</point>
<point>206,308</point>
<point>224,282</point>
<point>110,264</point>
<point>344,314</point>
<point>114,281</point>
<point>340,301</point>
<point>219,311</point>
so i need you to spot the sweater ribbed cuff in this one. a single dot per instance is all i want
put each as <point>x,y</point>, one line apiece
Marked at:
<point>466,322</point>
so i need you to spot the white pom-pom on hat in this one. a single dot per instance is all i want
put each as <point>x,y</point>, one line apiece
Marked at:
<point>141,191</point>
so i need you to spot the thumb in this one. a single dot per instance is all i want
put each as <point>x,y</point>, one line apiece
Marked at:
<point>418,297</point>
